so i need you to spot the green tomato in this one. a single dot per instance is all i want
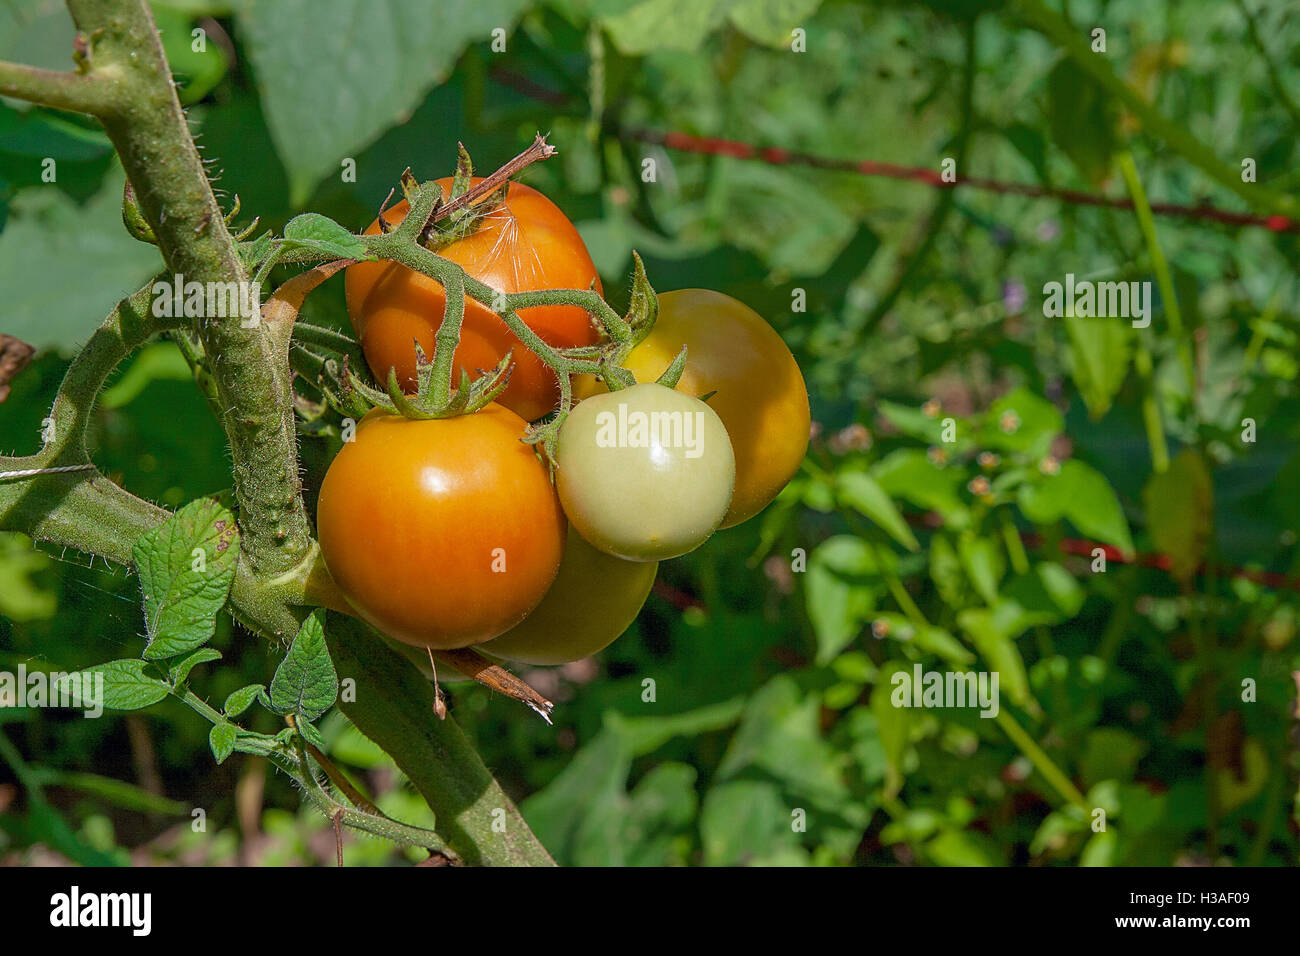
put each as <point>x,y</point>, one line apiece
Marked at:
<point>644,473</point>
<point>594,599</point>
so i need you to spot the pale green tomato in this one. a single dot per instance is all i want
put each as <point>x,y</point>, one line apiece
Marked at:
<point>594,599</point>
<point>644,473</point>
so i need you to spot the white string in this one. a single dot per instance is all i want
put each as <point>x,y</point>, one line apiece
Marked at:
<point>29,472</point>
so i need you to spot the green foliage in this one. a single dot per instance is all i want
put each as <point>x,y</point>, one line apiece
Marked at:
<point>359,80</point>
<point>186,567</point>
<point>305,683</point>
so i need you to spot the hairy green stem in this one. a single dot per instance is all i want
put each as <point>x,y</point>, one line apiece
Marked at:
<point>143,118</point>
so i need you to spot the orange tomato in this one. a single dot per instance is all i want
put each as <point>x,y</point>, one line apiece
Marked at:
<point>524,245</point>
<point>440,533</point>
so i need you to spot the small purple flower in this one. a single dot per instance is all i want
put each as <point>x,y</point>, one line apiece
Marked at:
<point>1014,296</point>
<point>1047,230</point>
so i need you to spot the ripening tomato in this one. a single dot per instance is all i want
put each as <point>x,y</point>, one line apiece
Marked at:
<point>759,392</point>
<point>524,245</point>
<point>594,599</point>
<point>440,533</point>
<point>644,473</point>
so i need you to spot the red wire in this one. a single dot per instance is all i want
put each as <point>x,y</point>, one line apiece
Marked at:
<point>775,155</point>
<point>714,146</point>
<point>1084,548</point>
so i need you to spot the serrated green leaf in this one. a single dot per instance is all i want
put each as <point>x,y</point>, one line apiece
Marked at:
<point>255,250</point>
<point>1080,494</point>
<point>221,740</point>
<point>311,734</point>
<point>181,671</point>
<point>186,567</point>
<point>126,685</point>
<point>305,682</point>
<point>311,230</point>
<point>240,700</point>
<point>860,492</point>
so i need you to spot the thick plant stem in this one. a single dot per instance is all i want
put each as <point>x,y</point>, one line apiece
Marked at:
<point>125,82</point>
<point>249,367</point>
<point>475,817</point>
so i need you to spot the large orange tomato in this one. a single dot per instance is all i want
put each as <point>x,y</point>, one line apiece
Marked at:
<point>440,533</point>
<point>759,392</point>
<point>524,245</point>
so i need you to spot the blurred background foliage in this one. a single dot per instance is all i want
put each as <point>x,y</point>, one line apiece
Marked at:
<point>771,648</point>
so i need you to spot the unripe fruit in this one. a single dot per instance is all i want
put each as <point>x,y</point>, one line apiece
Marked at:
<point>644,473</point>
<point>594,599</point>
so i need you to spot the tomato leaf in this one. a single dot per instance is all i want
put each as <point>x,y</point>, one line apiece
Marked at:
<point>118,685</point>
<point>311,230</point>
<point>221,741</point>
<point>180,671</point>
<point>240,700</point>
<point>305,682</point>
<point>186,567</point>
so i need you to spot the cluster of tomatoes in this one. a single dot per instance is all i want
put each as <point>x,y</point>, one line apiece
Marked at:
<point>450,532</point>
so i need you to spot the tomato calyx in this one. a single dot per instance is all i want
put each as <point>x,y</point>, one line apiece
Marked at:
<point>643,308</point>
<point>434,398</point>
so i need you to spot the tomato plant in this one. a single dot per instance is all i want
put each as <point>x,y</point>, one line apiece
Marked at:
<point>1028,596</point>
<point>441,533</point>
<point>594,599</point>
<point>524,244</point>
<point>752,380</point>
<point>644,473</point>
